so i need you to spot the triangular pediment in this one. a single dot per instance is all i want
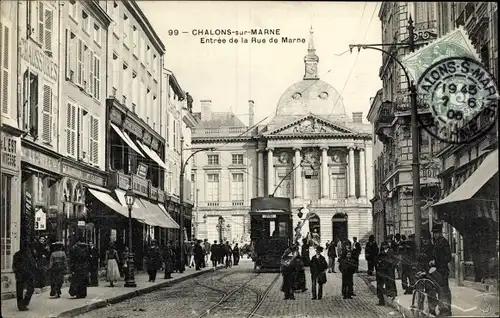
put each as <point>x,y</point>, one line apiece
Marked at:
<point>311,124</point>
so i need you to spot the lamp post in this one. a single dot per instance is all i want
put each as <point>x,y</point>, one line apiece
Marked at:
<point>413,123</point>
<point>181,195</point>
<point>220,227</point>
<point>129,275</point>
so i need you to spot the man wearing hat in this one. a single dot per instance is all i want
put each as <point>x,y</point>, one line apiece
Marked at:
<point>318,275</point>
<point>442,256</point>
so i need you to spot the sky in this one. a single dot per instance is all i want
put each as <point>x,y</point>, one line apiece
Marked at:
<point>230,74</point>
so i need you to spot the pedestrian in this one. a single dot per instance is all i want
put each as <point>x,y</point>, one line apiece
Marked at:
<point>306,258</point>
<point>392,261</point>
<point>288,263</point>
<point>190,253</point>
<point>198,255</point>
<point>356,252</point>
<point>26,272</point>
<point>347,268</point>
<point>442,256</point>
<point>340,252</point>
<point>112,260</point>
<point>58,266</point>
<point>153,261</point>
<point>332,254</point>
<point>423,261</point>
<point>318,275</point>
<point>168,259</point>
<point>228,254</point>
<point>407,260</point>
<point>214,254</point>
<point>41,253</point>
<point>222,253</point>
<point>93,265</point>
<point>79,267</point>
<point>206,250</point>
<point>300,275</point>
<point>396,250</point>
<point>371,251</point>
<point>236,254</point>
<point>382,268</point>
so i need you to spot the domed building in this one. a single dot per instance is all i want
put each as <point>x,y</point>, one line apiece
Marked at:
<point>311,151</point>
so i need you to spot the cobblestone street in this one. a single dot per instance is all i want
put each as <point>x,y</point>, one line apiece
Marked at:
<point>239,292</point>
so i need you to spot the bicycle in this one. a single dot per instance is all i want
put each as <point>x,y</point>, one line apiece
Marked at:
<point>424,289</point>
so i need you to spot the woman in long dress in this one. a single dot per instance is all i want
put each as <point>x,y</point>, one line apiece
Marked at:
<point>112,271</point>
<point>58,266</point>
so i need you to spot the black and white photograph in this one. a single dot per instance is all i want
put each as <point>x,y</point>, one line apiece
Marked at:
<point>238,159</point>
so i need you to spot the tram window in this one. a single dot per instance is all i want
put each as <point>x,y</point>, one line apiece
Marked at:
<point>272,229</point>
<point>283,228</point>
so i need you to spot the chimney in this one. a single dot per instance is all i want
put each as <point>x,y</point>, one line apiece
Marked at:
<point>251,115</point>
<point>357,117</point>
<point>206,109</point>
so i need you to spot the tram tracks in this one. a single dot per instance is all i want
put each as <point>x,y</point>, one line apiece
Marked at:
<point>227,296</point>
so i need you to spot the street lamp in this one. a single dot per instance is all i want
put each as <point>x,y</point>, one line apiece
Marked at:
<point>414,128</point>
<point>129,275</point>
<point>220,227</point>
<point>181,195</point>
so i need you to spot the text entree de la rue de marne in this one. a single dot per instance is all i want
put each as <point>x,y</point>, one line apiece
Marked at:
<point>222,36</point>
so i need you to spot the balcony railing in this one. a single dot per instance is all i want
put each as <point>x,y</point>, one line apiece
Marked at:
<point>425,25</point>
<point>238,202</point>
<point>221,131</point>
<point>212,203</point>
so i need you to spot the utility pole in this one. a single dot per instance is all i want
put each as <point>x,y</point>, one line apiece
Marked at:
<point>181,199</point>
<point>413,122</point>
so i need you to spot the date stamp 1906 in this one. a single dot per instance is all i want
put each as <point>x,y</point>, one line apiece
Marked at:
<point>462,97</point>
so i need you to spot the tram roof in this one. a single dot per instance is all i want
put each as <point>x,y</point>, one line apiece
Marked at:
<point>271,205</point>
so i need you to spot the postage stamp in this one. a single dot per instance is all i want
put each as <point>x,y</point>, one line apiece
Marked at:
<point>462,98</point>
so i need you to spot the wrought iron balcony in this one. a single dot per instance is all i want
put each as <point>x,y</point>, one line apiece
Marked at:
<point>221,131</point>
<point>237,202</point>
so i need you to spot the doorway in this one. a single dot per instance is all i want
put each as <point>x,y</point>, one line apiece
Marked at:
<point>339,227</point>
<point>315,228</point>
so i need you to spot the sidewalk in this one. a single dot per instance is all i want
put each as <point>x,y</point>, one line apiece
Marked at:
<point>466,302</point>
<point>41,306</point>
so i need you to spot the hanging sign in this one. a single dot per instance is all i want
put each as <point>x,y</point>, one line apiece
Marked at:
<point>40,220</point>
<point>81,223</point>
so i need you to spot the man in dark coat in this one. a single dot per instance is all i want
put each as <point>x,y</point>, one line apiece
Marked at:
<point>79,266</point>
<point>153,261</point>
<point>26,273</point>
<point>332,254</point>
<point>371,251</point>
<point>228,254</point>
<point>288,264</point>
<point>356,251</point>
<point>169,260</point>
<point>348,268</point>
<point>198,255</point>
<point>442,256</point>
<point>306,258</point>
<point>382,268</point>
<point>222,253</point>
<point>318,275</point>
<point>94,265</point>
<point>214,253</point>
<point>236,254</point>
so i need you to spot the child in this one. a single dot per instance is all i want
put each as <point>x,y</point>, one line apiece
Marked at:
<point>347,268</point>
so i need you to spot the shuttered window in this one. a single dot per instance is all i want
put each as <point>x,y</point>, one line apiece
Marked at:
<point>80,70</point>
<point>71,130</point>
<point>5,67</point>
<point>30,103</point>
<point>47,114</point>
<point>90,67</point>
<point>94,140</point>
<point>96,64</point>
<point>48,26</point>
<point>41,24</point>
<point>83,135</point>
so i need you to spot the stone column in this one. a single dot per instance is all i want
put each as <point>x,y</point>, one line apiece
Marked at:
<point>297,184</point>
<point>324,172</point>
<point>260,163</point>
<point>270,171</point>
<point>362,173</point>
<point>352,173</point>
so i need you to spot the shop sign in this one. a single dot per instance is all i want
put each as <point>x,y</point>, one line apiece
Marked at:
<point>40,220</point>
<point>39,159</point>
<point>37,58</point>
<point>81,223</point>
<point>115,116</point>
<point>268,216</point>
<point>140,186</point>
<point>8,146</point>
<point>153,194</point>
<point>142,170</point>
<point>132,127</point>
<point>161,196</point>
<point>155,144</point>
<point>147,138</point>
<point>88,176</point>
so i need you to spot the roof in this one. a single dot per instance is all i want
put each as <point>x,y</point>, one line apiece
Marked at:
<point>218,119</point>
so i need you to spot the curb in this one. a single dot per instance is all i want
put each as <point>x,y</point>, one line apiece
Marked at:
<point>406,312</point>
<point>138,292</point>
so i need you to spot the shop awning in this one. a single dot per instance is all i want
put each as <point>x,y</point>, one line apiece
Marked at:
<point>111,203</point>
<point>157,214</point>
<point>174,224</point>
<point>152,154</point>
<point>128,141</point>
<point>98,188</point>
<point>486,170</point>
<point>138,211</point>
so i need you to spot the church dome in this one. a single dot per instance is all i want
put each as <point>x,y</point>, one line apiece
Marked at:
<point>311,95</point>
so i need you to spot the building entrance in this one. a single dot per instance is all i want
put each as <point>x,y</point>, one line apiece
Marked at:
<point>339,227</point>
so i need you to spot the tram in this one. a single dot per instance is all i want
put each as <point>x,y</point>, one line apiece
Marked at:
<point>271,230</point>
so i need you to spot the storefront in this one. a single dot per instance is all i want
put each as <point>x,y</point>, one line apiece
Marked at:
<point>10,186</point>
<point>471,207</point>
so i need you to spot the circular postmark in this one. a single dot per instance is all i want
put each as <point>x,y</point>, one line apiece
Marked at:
<point>462,98</point>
